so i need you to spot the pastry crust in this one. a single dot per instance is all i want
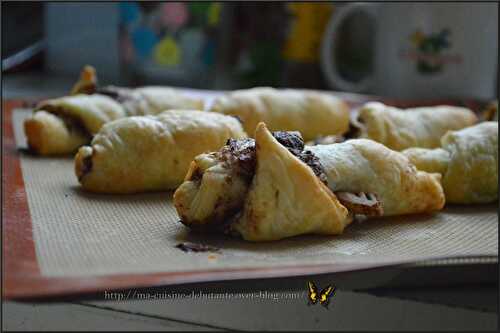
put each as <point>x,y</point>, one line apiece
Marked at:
<point>59,126</point>
<point>213,191</point>
<point>151,153</point>
<point>151,100</point>
<point>313,114</point>
<point>468,161</point>
<point>491,112</point>
<point>286,198</point>
<point>225,192</point>
<point>89,111</point>
<point>429,160</point>
<point>47,134</point>
<point>416,127</point>
<point>160,99</point>
<point>362,165</point>
<point>88,107</point>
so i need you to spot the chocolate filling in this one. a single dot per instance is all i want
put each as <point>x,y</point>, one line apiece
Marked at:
<point>313,162</point>
<point>86,167</point>
<point>366,204</point>
<point>196,247</point>
<point>73,124</point>
<point>87,88</point>
<point>243,153</point>
<point>196,175</point>
<point>240,157</point>
<point>295,144</point>
<point>356,126</point>
<point>119,94</point>
<point>291,140</point>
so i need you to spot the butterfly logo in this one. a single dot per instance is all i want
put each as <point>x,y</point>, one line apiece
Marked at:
<point>323,297</point>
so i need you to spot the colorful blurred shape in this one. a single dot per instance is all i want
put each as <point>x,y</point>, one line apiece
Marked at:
<point>129,12</point>
<point>191,43</point>
<point>213,14</point>
<point>174,15</point>
<point>144,41</point>
<point>167,52</point>
<point>417,38</point>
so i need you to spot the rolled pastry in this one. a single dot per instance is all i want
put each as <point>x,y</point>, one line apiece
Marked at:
<point>491,112</point>
<point>416,127</point>
<point>48,134</point>
<point>362,165</point>
<point>150,100</point>
<point>313,114</point>
<point>78,117</point>
<point>468,162</point>
<point>269,192</point>
<point>286,198</point>
<point>150,153</point>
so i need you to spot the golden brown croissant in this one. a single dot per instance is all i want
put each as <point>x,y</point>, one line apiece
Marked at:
<point>314,114</point>
<point>468,162</point>
<point>61,125</point>
<point>416,127</point>
<point>286,198</point>
<point>362,165</point>
<point>151,153</point>
<point>265,189</point>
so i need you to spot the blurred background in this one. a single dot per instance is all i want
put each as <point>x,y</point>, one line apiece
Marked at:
<point>398,50</point>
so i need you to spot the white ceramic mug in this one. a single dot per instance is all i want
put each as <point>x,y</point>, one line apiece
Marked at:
<point>423,50</point>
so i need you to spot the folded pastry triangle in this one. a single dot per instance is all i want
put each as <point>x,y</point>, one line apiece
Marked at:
<point>286,198</point>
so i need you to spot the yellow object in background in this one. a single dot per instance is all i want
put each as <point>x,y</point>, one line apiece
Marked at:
<point>213,14</point>
<point>308,25</point>
<point>167,52</point>
<point>417,38</point>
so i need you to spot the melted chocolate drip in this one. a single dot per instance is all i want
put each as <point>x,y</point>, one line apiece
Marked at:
<point>196,247</point>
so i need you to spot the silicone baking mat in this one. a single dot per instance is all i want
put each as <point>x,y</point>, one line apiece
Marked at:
<point>59,239</point>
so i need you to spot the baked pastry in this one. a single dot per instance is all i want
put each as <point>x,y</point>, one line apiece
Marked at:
<point>314,114</point>
<point>468,162</point>
<point>286,198</point>
<point>259,190</point>
<point>361,165</point>
<point>490,113</point>
<point>151,153</point>
<point>416,127</point>
<point>274,187</point>
<point>61,125</point>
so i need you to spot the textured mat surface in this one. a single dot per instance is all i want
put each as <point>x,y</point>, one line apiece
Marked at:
<point>82,234</point>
